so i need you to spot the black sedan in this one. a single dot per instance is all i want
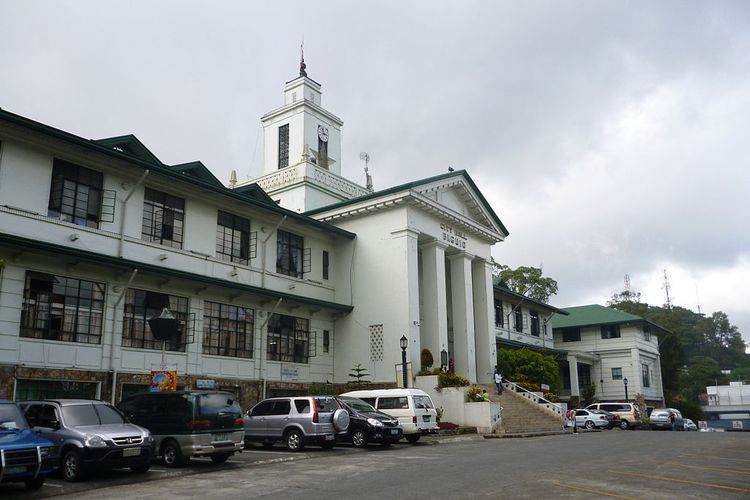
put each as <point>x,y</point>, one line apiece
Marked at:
<point>368,425</point>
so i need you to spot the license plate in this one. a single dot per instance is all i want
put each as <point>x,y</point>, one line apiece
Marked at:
<point>224,436</point>
<point>131,452</point>
<point>15,470</point>
<point>394,431</point>
<point>330,437</point>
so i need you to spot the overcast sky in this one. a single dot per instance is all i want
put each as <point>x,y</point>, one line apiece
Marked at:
<point>610,138</point>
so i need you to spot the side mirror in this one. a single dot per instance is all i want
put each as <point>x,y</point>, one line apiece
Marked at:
<point>54,424</point>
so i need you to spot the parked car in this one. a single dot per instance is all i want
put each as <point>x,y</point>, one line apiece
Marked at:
<point>590,419</point>
<point>660,419</point>
<point>90,434</point>
<point>689,425</point>
<point>26,457</point>
<point>612,419</point>
<point>412,407</point>
<point>297,422</point>
<point>368,425</point>
<point>188,424</point>
<point>630,415</point>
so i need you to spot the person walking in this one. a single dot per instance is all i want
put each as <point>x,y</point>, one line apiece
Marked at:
<point>498,381</point>
<point>672,420</point>
<point>571,416</point>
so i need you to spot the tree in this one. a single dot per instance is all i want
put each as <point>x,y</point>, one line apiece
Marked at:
<point>358,375</point>
<point>525,280</point>
<point>529,368</point>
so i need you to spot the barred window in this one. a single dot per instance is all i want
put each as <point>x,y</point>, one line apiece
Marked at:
<point>228,330</point>
<point>60,308</point>
<point>75,194</point>
<point>289,251</point>
<point>646,375</point>
<point>534,323</point>
<point>616,373</point>
<point>499,313</point>
<point>163,218</point>
<point>284,146</point>
<point>288,338</point>
<point>518,319</point>
<point>326,264</point>
<point>610,331</point>
<point>571,335</point>
<point>233,238</point>
<point>142,305</point>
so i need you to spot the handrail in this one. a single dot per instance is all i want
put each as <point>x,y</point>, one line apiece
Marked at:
<point>554,407</point>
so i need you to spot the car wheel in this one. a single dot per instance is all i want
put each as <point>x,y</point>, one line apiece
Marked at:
<point>294,440</point>
<point>172,454</point>
<point>412,438</point>
<point>624,425</point>
<point>34,484</point>
<point>141,468</point>
<point>589,424</point>
<point>220,458</point>
<point>341,420</point>
<point>359,439</point>
<point>72,466</point>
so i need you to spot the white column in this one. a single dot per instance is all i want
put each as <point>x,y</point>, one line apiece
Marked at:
<point>573,367</point>
<point>434,328</point>
<point>405,319</point>
<point>484,320</point>
<point>463,316</point>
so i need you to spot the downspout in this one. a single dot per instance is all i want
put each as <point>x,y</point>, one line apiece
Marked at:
<point>263,260</point>
<point>122,218</point>
<point>112,345</point>
<point>260,358</point>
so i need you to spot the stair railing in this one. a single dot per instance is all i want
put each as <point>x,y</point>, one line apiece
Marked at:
<point>555,408</point>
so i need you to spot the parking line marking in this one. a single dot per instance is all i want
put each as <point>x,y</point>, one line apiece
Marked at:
<point>720,458</point>
<point>720,469</point>
<point>675,480</point>
<point>595,492</point>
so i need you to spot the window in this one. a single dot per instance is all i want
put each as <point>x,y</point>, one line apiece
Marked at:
<point>499,313</point>
<point>518,319</point>
<point>645,375</point>
<point>142,305</point>
<point>288,338</point>
<point>289,251</point>
<point>163,218</point>
<point>228,330</point>
<point>610,331</point>
<point>571,335</point>
<point>647,333</point>
<point>60,308</point>
<point>616,373</point>
<point>534,323</point>
<point>393,403</point>
<point>326,263</point>
<point>76,194</point>
<point>326,340</point>
<point>233,238</point>
<point>284,146</point>
<point>54,389</point>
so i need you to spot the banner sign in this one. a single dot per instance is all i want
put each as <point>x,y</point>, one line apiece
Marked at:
<point>163,378</point>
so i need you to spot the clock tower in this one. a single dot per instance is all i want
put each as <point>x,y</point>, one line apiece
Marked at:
<point>302,150</point>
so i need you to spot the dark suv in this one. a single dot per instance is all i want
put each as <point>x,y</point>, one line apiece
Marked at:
<point>90,434</point>
<point>368,425</point>
<point>26,457</point>
<point>297,421</point>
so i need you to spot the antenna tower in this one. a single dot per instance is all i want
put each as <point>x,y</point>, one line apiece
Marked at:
<point>667,289</point>
<point>627,283</point>
<point>368,179</point>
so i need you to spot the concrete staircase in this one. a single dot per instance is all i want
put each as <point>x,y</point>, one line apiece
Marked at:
<point>521,416</point>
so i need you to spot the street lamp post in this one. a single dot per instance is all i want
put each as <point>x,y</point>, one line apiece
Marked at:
<point>404,344</point>
<point>625,381</point>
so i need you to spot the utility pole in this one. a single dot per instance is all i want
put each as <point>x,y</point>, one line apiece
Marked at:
<point>667,289</point>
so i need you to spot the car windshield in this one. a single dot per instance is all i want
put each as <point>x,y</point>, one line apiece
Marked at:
<point>423,402</point>
<point>358,405</point>
<point>218,404</point>
<point>91,414</point>
<point>11,418</point>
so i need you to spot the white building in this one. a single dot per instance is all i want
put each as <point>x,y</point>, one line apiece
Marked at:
<point>728,406</point>
<point>616,352</point>
<point>272,292</point>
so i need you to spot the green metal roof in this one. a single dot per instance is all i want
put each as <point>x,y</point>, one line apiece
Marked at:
<point>413,184</point>
<point>58,250</point>
<point>523,298</point>
<point>593,315</point>
<point>138,155</point>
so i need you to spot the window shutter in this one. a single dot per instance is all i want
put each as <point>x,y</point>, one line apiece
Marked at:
<point>312,345</point>
<point>253,244</point>
<point>109,197</point>
<point>306,260</point>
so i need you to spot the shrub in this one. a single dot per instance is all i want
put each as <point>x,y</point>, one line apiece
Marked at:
<point>320,389</point>
<point>474,393</point>
<point>452,379</point>
<point>425,357</point>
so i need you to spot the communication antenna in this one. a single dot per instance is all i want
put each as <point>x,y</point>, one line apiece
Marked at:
<point>667,289</point>
<point>368,179</point>
<point>627,283</point>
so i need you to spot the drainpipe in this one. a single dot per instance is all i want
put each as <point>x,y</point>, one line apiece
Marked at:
<point>112,345</point>
<point>122,217</point>
<point>263,260</point>
<point>260,347</point>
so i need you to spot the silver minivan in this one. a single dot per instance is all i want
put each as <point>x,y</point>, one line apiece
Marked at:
<point>296,421</point>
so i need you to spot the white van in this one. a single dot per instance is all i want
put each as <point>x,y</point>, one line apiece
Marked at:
<point>412,407</point>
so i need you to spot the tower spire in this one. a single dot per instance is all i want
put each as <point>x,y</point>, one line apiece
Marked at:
<point>302,64</point>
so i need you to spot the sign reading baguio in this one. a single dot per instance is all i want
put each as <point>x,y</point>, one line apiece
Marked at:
<point>453,236</point>
<point>163,378</point>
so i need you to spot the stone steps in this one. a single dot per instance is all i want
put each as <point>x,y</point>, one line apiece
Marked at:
<point>522,416</point>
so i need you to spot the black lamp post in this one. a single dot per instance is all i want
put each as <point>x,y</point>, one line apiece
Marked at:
<point>444,360</point>
<point>404,342</point>
<point>625,381</point>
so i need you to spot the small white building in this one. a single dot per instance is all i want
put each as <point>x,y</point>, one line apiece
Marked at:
<point>614,351</point>
<point>728,406</point>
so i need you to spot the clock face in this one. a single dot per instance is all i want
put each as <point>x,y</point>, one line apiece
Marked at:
<point>323,133</point>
